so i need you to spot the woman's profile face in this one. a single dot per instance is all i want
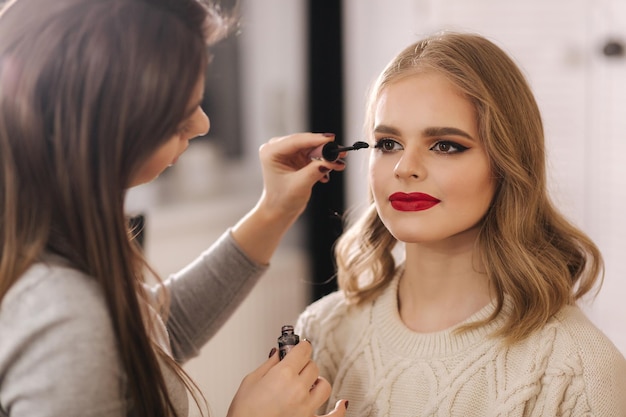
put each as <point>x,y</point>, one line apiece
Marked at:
<point>429,173</point>
<point>196,124</point>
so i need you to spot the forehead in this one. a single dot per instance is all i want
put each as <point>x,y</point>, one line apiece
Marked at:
<point>424,98</point>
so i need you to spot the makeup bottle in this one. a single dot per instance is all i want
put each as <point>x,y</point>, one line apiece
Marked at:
<point>287,340</point>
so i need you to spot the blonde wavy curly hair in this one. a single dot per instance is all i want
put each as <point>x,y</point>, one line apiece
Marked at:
<point>532,254</point>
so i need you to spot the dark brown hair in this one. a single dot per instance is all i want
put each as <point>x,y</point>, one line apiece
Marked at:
<point>89,89</point>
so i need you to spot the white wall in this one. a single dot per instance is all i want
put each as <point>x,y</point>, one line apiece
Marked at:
<point>580,92</point>
<point>274,87</point>
<point>605,144</point>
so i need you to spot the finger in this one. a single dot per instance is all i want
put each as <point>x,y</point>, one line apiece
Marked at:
<point>340,409</point>
<point>313,172</point>
<point>299,356</point>
<point>310,373</point>
<point>320,392</point>
<point>338,165</point>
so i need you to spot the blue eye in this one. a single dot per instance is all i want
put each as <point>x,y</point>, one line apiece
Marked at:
<point>448,147</point>
<point>388,145</point>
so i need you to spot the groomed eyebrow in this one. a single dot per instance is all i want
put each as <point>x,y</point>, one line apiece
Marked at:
<point>428,132</point>
<point>387,130</point>
<point>446,131</point>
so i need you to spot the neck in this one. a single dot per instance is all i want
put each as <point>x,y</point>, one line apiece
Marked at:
<point>442,285</point>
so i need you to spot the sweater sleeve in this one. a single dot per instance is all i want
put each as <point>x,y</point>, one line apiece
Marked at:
<point>206,293</point>
<point>58,354</point>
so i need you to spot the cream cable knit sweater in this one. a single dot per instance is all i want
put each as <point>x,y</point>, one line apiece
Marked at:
<point>569,368</point>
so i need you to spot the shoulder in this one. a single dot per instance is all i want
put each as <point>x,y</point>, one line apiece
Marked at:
<point>333,319</point>
<point>570,331</point>
<point>329,303</point>
<point>59,347</point>
<point>321,316</point>
<point>335,313</point>
<point>52,292</point>
<point>324,311</point>
<point>331,324</point>
<point>575,329</point>
<point>55,287</point>
<point>571,340</point>
<point>595,349</point>
<point>581,348</point>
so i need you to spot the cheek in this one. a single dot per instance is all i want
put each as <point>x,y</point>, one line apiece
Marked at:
<point>474,188</point>
<point>160,160</point>
<point>379,173</point>
<point>157,163</point>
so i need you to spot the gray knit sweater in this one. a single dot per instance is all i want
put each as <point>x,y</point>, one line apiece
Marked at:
<point>58,354</point>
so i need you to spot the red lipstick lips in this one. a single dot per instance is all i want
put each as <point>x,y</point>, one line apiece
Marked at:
<point>412,201</point>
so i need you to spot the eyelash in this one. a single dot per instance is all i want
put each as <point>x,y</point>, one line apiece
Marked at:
<point>454,147</point>
<point>380,144</point>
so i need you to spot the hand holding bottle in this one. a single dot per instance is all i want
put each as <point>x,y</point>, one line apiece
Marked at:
<point>287,388</point>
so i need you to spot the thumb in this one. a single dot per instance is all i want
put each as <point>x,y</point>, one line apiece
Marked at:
<point>340,410</point>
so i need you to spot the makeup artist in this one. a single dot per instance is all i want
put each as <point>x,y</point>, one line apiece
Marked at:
<point>97,96</point>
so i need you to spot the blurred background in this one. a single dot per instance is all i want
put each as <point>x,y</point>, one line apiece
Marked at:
<point>306,65</point>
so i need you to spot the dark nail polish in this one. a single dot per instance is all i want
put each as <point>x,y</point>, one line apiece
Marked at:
<point>324,169</point>
<point>272,352</point>
<point>347,402</point>
<point>328,135</point>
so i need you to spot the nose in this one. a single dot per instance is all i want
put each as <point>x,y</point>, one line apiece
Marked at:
<point>410,165</point>
<point>203,122</point>
<point>200,124</point>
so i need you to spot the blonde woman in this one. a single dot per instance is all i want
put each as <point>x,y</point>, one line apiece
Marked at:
<point>478,316</point>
